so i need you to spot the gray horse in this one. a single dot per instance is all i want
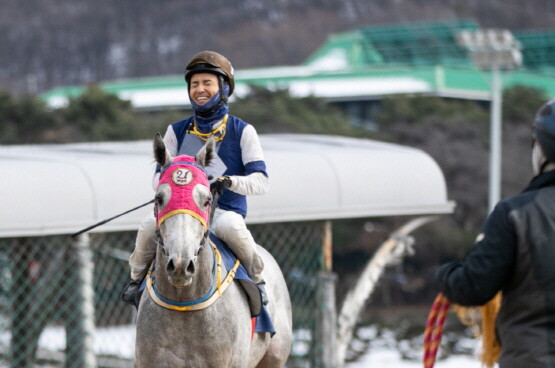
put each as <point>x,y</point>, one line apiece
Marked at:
<point>218,336</point>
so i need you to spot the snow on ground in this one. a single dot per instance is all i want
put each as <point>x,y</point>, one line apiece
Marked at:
<point>112,341</point>
<point>392,359</point>
<point>379,351</point>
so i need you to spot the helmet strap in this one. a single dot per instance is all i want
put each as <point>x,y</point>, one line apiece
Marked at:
<point>224,89</point>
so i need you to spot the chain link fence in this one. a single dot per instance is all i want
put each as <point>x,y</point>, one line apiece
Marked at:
<point>47,319</point>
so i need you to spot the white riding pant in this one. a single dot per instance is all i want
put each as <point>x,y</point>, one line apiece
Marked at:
<point>145,248</point>
<point>231,228</point>
<point>227,225</point>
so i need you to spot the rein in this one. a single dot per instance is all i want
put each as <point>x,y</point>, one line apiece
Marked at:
<point>110,219</point>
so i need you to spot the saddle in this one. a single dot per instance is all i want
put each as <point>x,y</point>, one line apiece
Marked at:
<point>252,291</point>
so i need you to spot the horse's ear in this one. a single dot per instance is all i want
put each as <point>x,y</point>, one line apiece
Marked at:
<point>206,153</point>
<point>161,155</point>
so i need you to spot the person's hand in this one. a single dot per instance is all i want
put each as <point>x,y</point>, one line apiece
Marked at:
<point>220,184</point>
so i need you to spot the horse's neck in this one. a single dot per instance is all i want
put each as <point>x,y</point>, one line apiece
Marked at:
<point>202,280</point>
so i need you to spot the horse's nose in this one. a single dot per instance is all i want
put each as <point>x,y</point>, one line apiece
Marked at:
<point>177,267</point>
<point>170,266</point>
<point>191,268</point>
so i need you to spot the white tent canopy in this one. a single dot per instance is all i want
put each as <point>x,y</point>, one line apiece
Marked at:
<point>60,189</point>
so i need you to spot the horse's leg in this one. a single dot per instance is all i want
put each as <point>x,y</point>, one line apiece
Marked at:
<point>279,347</point>
<point>277,353</point>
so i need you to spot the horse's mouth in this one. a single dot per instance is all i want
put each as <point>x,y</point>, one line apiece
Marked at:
<point>181,281</point>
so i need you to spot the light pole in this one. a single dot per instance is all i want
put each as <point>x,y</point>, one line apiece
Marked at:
<point>493,50</point>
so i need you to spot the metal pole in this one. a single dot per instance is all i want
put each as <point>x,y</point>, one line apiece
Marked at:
<point>80,333</point>
<point>495,50</point>
<point>326,327</point>
<point>495,140</point>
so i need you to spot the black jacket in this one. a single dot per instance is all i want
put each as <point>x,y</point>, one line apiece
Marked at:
<point>515,254</point>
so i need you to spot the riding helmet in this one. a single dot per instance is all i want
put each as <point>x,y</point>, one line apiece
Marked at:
<point>211,62</point>
<point>544,129</point>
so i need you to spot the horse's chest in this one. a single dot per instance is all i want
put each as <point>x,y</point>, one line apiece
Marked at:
<point>215,337</point>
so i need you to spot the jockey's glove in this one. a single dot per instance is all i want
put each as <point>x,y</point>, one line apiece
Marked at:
<point>220,184</point>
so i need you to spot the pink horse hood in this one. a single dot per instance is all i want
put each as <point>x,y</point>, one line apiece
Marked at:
<point>182,175</point>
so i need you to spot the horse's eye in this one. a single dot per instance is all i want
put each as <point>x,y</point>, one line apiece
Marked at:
<point>159,198</point>
<point>163,195</point>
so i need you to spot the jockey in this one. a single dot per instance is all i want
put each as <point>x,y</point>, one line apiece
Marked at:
<point>514,255</point>
<point>237,170</point>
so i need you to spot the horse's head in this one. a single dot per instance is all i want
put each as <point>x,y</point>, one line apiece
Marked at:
<point>183,200</point>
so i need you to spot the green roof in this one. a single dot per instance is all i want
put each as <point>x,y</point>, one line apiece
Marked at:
<point>364,63</point>
<point>538,49</point>
<point>426,44</point>
<point>410,44</point>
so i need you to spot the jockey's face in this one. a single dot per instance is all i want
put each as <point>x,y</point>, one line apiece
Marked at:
<point>203,87</point>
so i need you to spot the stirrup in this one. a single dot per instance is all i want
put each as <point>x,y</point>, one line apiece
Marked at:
<point>263,294</point>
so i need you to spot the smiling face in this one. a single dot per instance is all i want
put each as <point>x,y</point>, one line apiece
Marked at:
<point>202,87</point>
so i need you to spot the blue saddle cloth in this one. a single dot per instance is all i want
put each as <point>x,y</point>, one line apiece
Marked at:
<point>263,319</point>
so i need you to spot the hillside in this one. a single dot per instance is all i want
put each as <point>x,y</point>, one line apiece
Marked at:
<point>48,43</point>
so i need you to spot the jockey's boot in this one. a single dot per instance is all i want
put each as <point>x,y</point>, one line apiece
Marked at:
<point>262,290</point>
<point>131,293</point>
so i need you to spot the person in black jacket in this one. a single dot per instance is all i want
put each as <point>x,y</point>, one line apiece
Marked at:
<point>515,254</point>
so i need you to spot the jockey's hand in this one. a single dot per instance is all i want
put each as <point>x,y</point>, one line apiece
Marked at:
<point>220,184</point>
